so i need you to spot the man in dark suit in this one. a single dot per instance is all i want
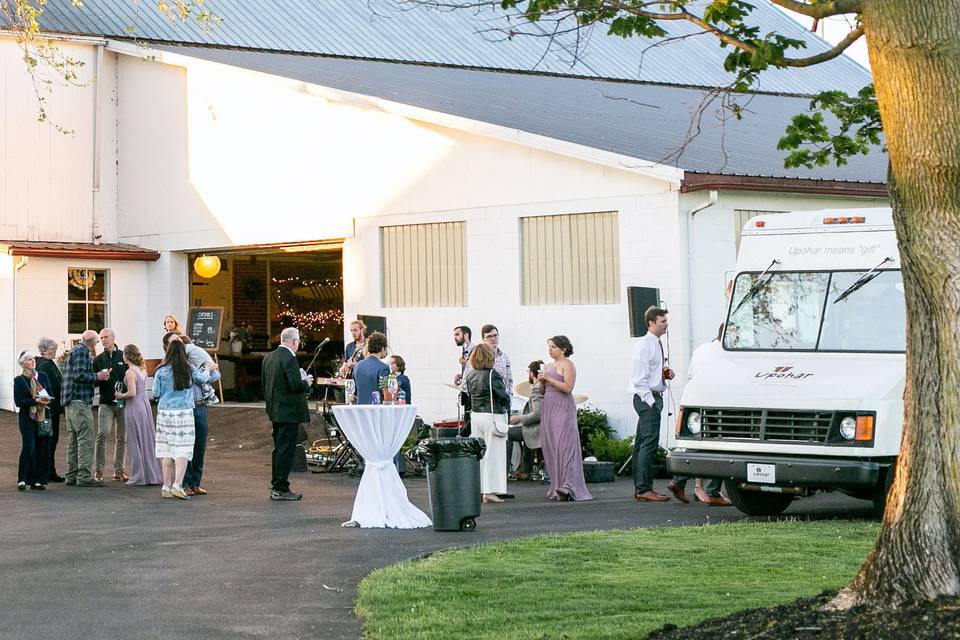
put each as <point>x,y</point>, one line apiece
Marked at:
<point>285,388</point>
<point>367,372</point>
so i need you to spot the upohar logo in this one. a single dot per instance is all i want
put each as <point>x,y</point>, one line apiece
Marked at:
<point>784,372</point>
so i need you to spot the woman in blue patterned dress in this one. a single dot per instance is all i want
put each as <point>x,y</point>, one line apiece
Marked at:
<point>173,387</point>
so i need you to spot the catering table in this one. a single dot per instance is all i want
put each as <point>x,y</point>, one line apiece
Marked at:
<point>378,432</point>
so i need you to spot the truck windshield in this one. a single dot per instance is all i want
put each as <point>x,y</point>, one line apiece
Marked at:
<point>795,311</point>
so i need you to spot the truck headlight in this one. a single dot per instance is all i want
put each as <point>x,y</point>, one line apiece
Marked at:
<point>693,422</point>
<point>848,427</point>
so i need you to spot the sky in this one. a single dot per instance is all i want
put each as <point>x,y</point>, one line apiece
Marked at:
<point>833,30</point>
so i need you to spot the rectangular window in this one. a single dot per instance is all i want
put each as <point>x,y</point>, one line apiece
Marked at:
<point>424,265</point>
<point>740,217</point>
<point>88,294</point>
<point>570,259</point>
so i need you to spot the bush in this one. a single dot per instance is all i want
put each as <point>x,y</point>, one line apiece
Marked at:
<point>591,421</point>
<point>611,449</point>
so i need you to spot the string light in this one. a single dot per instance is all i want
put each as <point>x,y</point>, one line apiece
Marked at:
<point>308,320</point>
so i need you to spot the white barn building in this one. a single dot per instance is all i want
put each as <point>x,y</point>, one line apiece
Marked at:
<point>444,181</point>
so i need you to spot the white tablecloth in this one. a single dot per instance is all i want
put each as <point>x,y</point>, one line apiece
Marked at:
<point>378,432</point>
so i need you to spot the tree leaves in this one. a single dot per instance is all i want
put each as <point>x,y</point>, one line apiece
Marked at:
<point>808,137</point>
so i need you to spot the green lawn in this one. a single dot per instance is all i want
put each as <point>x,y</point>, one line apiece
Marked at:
<point>610,584</point>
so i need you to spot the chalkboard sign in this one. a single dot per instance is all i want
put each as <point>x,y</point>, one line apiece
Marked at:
<point>204,327</point>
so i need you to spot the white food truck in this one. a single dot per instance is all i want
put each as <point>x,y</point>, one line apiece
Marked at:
<point>807,391</point>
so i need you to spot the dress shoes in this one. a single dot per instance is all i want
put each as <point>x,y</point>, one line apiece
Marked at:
<point>285,496</point>
<point>650,496</point>
<point>98,476</point>
<point>121,476</point>
<point>55,478</point>
<point>199,491</point>
<point>38,487</point>
<point>678,492</point>
<point>718,501</point>
<point>188,490</point>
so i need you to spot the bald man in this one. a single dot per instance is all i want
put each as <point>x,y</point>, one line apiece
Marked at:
<point>77,389</point>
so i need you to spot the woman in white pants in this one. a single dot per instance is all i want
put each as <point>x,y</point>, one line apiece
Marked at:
<point>490,402</point>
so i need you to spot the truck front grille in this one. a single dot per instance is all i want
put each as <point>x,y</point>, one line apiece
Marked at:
<point>766,424</point>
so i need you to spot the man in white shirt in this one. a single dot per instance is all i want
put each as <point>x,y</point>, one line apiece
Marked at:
<point>647,386</point>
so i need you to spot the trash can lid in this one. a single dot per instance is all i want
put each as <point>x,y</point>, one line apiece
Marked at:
<point>431,450</point>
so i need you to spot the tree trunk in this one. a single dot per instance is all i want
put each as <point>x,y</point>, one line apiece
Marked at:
<point>915,54</point>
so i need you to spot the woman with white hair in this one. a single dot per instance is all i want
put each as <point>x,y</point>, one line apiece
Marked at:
<point>31,397</point>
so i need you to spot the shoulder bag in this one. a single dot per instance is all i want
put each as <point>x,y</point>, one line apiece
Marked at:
<point>501,423</point>
<point>45,428</point>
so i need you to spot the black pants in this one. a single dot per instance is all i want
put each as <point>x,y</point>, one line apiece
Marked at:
<point>34,451</point>
<point>284,446</point>
<point>465,403</point>
<point>51,467</point>
<point>194,474</point>
<point>646,441</point>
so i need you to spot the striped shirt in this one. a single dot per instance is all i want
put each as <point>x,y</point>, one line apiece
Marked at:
<point>78,376</point>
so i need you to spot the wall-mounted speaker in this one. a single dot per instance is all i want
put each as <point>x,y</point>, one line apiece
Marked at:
<point>639,299</point>
<point>374,323</point>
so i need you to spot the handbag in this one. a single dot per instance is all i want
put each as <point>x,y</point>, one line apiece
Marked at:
<point>500,429</point>
<point>45,428</point>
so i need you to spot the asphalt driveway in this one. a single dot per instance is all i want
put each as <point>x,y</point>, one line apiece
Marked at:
<point>119,562</point>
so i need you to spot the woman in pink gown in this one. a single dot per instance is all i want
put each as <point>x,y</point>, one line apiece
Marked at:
<point>559,437</point>
<point>141,433</point>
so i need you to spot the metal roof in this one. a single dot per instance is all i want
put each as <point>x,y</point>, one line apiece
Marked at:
<point>651,123</point>
<point>397,31</point>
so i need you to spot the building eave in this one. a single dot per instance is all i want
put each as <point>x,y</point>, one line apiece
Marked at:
<point>77,250</point>
<point>710,181</point>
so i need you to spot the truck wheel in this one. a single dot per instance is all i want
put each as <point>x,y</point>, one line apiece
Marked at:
<point>879,497</point>
<point>757,503</point>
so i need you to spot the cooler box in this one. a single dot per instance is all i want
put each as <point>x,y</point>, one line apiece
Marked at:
<point>446,429</point>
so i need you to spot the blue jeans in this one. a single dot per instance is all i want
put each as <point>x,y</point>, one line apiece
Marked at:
<point>646,441</point>
<point>194,473</point>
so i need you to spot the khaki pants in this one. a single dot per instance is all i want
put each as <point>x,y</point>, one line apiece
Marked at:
<point>80,443</point>
<point>108,418</point>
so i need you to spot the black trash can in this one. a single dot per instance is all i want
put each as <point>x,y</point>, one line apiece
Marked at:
<point>453,481</point>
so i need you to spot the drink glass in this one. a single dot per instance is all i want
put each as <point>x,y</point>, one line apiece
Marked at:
<point>351,388</point>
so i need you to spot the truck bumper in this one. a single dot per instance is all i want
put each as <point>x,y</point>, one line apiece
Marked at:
<point>790,471</point>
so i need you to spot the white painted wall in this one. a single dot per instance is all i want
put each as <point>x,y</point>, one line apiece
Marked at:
<point>40,308</point>
<point>47,181</point>
<point>212,156</point>
<point>600,333</point>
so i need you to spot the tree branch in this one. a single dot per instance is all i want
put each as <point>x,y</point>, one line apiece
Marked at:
<point>821,9</point>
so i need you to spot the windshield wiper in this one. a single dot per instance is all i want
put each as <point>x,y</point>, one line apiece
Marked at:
<point>862,280</point>
<point>757,286</point>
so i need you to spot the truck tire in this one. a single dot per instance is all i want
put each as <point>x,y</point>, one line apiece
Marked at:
<point>757,503</point>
